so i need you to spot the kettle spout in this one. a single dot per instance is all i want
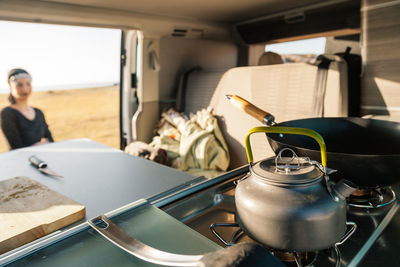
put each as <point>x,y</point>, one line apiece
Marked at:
<point>344,188</point>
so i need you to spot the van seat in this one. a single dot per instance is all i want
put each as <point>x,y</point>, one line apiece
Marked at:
<point>200,89</point>
<point>285,90</point>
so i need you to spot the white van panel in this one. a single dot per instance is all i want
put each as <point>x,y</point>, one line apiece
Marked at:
<point>71,14</point>
<point>178,55</point>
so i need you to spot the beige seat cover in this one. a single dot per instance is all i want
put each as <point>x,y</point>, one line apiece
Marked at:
<point>285,90</point>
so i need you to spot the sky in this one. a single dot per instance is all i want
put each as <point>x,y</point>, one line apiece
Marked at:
<point>309,46</point>
<point>58,55</point>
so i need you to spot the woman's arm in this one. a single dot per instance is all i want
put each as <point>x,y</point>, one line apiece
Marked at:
<point>47,133</point>
<point>10,129</point>
<point>47,137</point>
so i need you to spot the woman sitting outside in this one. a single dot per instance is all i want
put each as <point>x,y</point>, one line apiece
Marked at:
<point>22,124</point>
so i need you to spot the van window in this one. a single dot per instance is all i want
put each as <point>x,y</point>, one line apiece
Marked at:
<point>298,51</point>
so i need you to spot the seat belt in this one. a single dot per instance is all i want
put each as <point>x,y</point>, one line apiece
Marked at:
<point>320,85</point>
<point>181,93</point>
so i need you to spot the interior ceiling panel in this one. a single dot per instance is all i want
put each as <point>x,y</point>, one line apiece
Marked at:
<point>212,10</point>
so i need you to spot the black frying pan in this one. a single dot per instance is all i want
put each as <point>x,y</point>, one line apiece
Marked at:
<point>364,151</point>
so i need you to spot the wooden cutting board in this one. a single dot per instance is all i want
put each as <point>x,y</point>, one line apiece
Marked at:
<point>29,210</point>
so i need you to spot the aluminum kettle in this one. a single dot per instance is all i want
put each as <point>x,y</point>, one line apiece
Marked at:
<point>289,203</point>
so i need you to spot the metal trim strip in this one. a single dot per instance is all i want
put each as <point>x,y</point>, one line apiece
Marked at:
<point>161,199</point>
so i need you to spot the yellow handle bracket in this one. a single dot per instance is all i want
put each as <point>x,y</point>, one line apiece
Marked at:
<point>286,130</point>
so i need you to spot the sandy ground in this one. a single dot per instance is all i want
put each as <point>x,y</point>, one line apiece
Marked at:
<point>91,113</point>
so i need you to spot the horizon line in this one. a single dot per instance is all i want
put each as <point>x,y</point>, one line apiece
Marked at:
<point>67,86</point>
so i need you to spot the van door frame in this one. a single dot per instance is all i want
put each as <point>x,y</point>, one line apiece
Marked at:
<point>129,101</point>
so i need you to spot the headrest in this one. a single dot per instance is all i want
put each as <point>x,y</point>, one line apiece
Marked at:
<point>270,58</point>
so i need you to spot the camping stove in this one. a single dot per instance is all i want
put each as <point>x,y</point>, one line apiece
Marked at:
<point>290,258</point>
<point>211,212</point>
<point>371,198</point>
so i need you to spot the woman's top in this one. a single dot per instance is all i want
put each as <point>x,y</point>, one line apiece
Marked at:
<point>22,132</point>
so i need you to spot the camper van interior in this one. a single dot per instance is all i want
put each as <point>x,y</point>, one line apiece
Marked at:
<point>114,209</point>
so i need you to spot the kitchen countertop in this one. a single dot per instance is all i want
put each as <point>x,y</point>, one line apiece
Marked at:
<point>99,177</point>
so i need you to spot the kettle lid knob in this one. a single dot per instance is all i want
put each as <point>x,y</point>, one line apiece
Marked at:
<point>287,164</point>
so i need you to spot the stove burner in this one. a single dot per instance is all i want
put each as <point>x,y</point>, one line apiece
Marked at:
<point>290,258</point>
<point>295,258</point>
<point>372,198</point>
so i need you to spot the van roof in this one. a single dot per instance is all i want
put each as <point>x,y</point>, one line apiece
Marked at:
<point>246,22</point>
<point>218,11</point>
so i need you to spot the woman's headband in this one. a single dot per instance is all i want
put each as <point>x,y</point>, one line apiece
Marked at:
<point>19,76</point>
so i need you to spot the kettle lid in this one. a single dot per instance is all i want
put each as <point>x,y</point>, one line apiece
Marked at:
<point>287,170</point>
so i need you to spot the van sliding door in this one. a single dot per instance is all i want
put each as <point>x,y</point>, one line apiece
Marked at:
<point>128,85</point>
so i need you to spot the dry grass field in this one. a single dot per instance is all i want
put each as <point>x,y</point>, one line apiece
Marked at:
<point>92,113</point>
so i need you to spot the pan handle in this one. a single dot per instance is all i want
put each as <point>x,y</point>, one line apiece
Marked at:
<point>252,110</point>
<point>286,130</point>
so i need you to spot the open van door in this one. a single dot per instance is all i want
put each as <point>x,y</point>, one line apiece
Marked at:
<point>128,84</point>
